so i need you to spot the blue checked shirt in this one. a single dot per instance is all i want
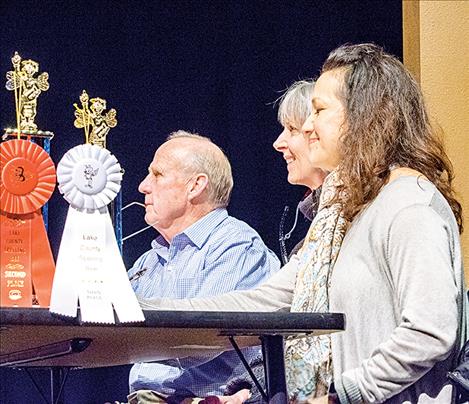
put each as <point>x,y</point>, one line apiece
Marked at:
<point>215,255</point>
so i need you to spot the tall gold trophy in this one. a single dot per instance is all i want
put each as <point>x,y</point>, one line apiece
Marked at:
<point>27,180</point>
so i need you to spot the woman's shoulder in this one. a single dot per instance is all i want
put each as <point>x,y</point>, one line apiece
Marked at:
<point>401,193</point>
<point>410,189</point>
<point>413,191</point>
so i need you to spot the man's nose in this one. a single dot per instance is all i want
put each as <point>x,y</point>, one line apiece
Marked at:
<point>143,187</point>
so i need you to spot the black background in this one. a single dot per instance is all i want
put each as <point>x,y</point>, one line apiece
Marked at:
<point>213,67</point>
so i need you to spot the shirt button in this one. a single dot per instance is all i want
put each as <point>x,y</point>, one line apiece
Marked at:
<point>169,267</point>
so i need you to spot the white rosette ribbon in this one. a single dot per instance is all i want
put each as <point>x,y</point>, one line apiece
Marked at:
<point>89,265</point>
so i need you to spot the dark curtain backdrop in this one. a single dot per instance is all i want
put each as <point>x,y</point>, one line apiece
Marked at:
<point>214,67</point>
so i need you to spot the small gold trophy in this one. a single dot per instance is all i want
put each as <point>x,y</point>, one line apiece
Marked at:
<point>90,273</point>
<point>92,116</point>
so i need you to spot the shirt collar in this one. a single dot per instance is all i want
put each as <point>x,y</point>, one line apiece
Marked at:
<point>161,247</point>
<point>200,231</point>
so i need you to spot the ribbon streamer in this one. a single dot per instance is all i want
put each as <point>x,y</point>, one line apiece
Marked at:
<point>27,176</point>
<point>89,266</point>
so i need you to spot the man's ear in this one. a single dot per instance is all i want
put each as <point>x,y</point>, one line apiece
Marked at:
<point>198,185</point>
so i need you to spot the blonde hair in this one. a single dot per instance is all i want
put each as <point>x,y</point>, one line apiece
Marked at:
<point>295,104</point>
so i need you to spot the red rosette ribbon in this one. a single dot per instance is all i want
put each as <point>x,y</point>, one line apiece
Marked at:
<point>27,180</point>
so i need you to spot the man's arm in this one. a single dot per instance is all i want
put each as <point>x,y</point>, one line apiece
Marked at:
<point>273,295</point>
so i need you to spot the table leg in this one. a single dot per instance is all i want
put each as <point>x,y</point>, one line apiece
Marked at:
<point>57,380</point>
<point>274,366</point>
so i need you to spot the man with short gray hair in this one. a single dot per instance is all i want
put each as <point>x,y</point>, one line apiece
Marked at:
<point>201,251</point>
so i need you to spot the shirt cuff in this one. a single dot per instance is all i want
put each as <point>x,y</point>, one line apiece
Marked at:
<point>347,391</point>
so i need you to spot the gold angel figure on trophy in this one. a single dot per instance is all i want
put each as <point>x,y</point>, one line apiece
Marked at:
<point>27,88</point>
<point>92,115</point>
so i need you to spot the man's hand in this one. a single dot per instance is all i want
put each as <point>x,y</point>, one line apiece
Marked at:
<point>237,398</point>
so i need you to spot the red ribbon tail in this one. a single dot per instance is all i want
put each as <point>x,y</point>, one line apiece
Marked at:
<point>26,260</point>
<point>43,266</point>
<point>15,260</point>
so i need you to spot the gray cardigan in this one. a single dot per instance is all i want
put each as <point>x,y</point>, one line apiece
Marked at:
<point>399,280</point>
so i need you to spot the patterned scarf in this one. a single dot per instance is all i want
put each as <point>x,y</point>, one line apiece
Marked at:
<point>308,359</point>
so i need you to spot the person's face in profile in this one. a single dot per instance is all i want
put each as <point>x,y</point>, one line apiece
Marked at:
<point>323,126</point>
<point>294,145</point>
<point>166,189</point>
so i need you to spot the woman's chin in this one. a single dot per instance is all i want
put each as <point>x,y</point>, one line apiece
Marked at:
<point>293,180</point>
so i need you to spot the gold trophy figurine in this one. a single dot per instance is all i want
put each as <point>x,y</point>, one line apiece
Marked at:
<point>27,88</point>
<point>92,115</point>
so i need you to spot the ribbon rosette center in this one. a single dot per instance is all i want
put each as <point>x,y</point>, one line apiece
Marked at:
<point>89,176</point>
<point>19,176</point>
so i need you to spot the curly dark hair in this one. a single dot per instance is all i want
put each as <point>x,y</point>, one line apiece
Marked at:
<point>386,124</point>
